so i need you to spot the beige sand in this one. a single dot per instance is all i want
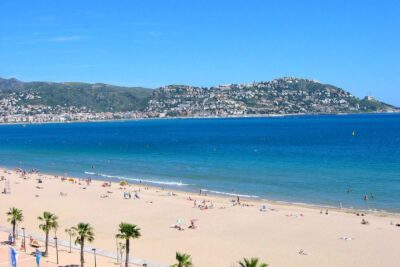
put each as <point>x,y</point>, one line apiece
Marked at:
<point>224,235</point>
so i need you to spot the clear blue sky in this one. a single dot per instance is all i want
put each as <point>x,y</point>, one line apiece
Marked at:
<point>352,44</point>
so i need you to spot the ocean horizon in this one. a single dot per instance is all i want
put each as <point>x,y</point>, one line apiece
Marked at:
<point>328,160</point>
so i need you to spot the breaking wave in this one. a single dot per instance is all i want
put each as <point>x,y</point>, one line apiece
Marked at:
<point>146,181</point>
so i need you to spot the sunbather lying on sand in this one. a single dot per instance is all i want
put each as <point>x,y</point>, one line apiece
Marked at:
<point>177,226</point>
<point>302,252</point>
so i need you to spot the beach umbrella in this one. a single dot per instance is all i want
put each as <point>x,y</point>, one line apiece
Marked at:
<point>180,222</point>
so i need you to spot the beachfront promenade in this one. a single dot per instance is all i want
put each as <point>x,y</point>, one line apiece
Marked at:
<point>63,248</point>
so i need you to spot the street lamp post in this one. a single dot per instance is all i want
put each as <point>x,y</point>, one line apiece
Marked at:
<point>94,252</point>
<point>69,231</point>
<point>55,239</point>
<point>24,240</point>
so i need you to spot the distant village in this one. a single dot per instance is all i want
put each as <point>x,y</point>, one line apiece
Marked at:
<point>280,96</point>
<point>277,97</point>
<point>13,112</point>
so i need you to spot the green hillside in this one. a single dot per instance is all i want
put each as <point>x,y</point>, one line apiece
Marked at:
<point>95,97</point>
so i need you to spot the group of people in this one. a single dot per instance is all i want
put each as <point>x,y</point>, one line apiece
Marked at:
<point>179,225</point>
<point>204,204</point>
<point>128,195</point>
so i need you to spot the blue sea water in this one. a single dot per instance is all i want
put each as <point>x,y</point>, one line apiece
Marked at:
<point>308,159</point>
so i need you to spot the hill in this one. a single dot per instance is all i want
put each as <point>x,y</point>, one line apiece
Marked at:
<point>280,96</point>
<point>50,97</point>
<point>44,101</point>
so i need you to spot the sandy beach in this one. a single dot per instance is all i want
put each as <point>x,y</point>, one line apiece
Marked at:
<point>283,235</point>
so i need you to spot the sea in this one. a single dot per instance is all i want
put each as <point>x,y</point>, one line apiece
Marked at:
<point>324,160</point>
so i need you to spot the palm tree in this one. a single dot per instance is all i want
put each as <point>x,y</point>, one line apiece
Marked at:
<point>127,231</point>
<point>83,231</point>
<point>184,260</point>
<point>14,217</point>
<point>49,222</point>
<point>70,232</point>
<point>253,262</point>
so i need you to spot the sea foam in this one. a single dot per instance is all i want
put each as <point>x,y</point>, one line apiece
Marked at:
<point>149,181</point>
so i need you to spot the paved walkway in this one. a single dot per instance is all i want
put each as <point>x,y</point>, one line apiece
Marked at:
<point>29,260</point>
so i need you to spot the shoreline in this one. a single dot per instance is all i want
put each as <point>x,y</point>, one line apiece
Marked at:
<point>209,117</point>
<point>224,195</point>
<point>225,232</point>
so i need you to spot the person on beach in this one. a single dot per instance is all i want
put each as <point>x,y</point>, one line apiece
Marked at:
<point>38,256</point>
<point>366,198</point>
<point>363,221</point>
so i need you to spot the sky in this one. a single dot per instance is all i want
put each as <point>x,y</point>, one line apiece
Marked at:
<point>351,44</point>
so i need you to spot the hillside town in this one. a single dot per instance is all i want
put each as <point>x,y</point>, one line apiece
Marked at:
<point>277,97</point>
<point>280,96</point>
<point>15,108</point>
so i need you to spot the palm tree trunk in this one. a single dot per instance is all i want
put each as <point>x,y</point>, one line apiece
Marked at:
<point>127,253</point>
<point>14,235</point>
<point>47,244</point>
<point>82,257</point>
